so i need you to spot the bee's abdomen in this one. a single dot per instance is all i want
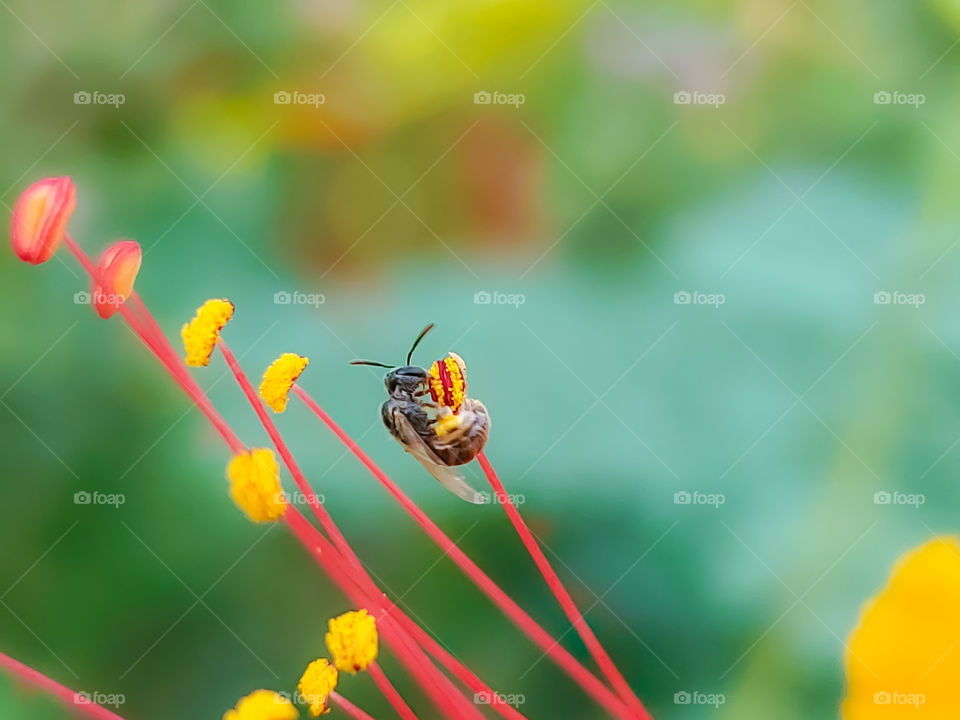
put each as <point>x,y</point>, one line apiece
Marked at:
<point>462,447</point>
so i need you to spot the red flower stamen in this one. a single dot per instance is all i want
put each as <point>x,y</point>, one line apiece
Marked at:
<point>560,592</point>
<point>74,700</point>
<point>348,707</point>
<point>390,692</point>
<point>146,329</point>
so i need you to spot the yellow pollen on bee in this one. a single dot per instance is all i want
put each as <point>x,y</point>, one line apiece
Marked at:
<point>447,424</point>
<point>263,705</point>
<point>352,640</point>
<point>255,485</point>
<point>200,335</point>
<point>318,681</point>
<point>279,378</point>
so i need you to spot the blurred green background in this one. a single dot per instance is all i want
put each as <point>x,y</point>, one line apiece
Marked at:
<point>782,197</point>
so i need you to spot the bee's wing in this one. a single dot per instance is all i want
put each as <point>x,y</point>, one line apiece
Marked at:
<point>447,476</point>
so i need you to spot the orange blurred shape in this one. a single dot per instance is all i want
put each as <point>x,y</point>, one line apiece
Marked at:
<point>40,218</point>
<point>117,270</point>
<point>503,177</point>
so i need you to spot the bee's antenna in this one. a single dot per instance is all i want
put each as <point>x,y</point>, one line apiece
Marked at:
<point>370,362</point>
<point>416,342</point>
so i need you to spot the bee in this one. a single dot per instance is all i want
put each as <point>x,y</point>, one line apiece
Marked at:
<point>428,412</point>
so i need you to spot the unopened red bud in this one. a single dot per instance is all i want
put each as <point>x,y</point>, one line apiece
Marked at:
<point>40,218</point>
<point>117,270</point>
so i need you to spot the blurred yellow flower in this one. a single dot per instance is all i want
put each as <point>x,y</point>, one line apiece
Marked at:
<point>352,641</point>
<point>200,335</point>
<point>318,681</point>
<point>255,485</point>
<point>279,378</point>
<point>903,659</point>
<point>263,705</point>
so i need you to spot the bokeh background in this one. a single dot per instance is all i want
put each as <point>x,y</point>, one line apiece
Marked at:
<point>781,198</point>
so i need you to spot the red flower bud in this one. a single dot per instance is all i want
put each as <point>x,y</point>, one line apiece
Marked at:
<point>117,270</point>
<point>40,218</point>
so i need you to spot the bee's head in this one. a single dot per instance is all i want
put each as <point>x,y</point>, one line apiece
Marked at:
<point>405,380</point>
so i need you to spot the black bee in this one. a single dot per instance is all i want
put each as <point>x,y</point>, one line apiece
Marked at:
<point>429,414</point>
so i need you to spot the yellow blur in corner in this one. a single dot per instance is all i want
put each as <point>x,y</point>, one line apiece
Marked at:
<point>903,659</point>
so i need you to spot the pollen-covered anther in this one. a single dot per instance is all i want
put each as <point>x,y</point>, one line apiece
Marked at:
<point>200,335</point>
<point>40,218</point>
<point>448,381</point>
<point>352,640</point>
<point>279,378</point>
<point>117,271</point>
<point>318,681</point>
<point>255,485</point>
<point>263,705</point>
